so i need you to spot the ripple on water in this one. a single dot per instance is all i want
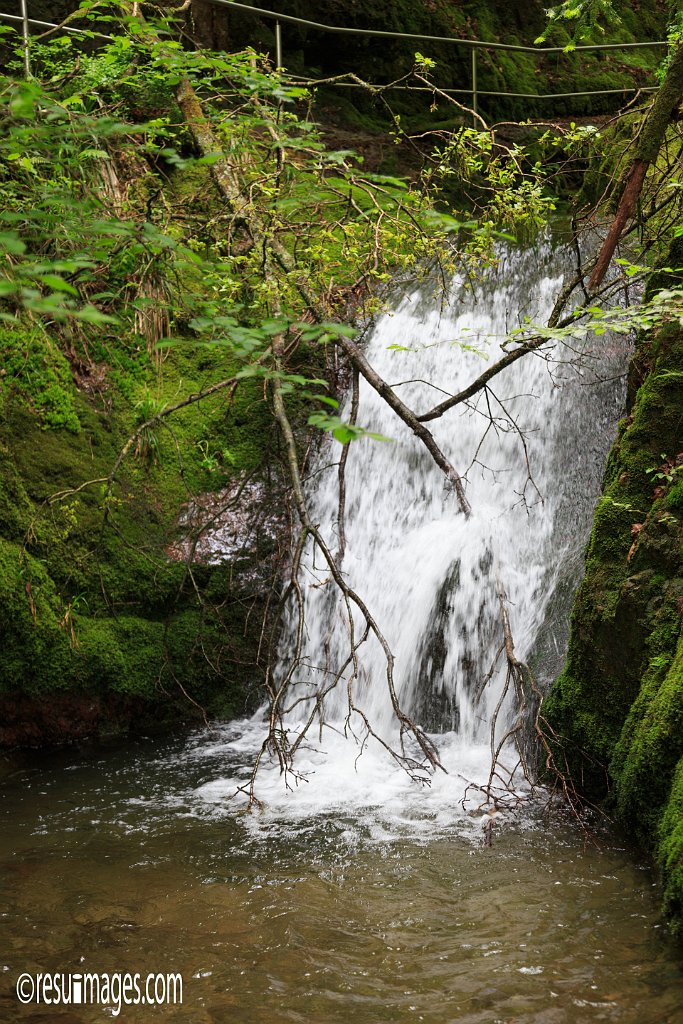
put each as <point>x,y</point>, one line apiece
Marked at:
<point>322,919</point>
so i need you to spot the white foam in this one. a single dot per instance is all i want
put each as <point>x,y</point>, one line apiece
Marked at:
<point>426,572</point>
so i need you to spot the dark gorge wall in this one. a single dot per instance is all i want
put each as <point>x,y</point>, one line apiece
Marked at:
<point>321,54</point>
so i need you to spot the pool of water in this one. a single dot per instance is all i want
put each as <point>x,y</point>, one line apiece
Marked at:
<point>113,863</point>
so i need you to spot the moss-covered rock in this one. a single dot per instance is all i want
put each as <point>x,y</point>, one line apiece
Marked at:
<point>101,618</point>
<point>670,851</point>
<point>36,367</point>
<point>618,706</point>
<point>651,744</point>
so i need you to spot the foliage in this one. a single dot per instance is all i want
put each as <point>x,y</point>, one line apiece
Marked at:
<point>586,16</point>
<point>675,39</point>
<point>509,192</point>
<point>88,173</point>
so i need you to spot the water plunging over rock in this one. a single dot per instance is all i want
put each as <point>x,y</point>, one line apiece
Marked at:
<point>531,448</point>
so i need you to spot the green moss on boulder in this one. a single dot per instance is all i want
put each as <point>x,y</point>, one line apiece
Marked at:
<point>618,706</point>
<point>34,365</point>
<point>101,620</point>
<point>670,852</point>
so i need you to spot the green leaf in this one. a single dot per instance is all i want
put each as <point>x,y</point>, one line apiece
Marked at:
<point>23,101</point>
<point>58,284</point>
<point>273,327</point>
<point>10,242</point>
<point>332,402</point>
<point>341,431</point>
<point>92,315</point>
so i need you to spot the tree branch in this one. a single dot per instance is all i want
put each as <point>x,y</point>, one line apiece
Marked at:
<point>358,360</point>
<point>666,102</point>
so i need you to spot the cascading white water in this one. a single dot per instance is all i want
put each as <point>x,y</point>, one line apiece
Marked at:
<point>531,449</point>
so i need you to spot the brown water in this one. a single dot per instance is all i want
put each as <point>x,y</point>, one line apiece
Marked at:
<point>108,864</point>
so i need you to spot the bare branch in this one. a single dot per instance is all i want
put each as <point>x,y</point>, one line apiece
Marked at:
<point>358,360</point>
<point>341,513</point>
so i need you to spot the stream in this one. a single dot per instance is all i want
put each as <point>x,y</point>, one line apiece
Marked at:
<point>353,893</point>
<point>111,863</point>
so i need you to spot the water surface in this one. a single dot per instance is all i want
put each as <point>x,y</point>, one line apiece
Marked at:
<point>117,863</point>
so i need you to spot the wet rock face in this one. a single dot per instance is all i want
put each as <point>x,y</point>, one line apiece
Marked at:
<point>241,521</point>
<point>45,722</point>
<point>436,704</point>
<point>436,707</point>
<point>618,704</point>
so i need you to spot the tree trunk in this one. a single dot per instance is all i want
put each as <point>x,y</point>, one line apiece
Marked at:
<point>210,23</point>
<point>667,101</point>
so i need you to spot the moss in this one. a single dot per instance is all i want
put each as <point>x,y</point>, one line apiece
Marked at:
<point>611,536</point>
<point>124,654</point>
<point>670,852</point>
<point>15,506</point>
<point>674,499</point>
<point>618,706</point>
<point>650,745</point>
<point>35,655</point>
<point>33,365</point>
<point>92,604</point>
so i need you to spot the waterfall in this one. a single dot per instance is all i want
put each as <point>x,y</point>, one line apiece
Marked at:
<point>531,450</point>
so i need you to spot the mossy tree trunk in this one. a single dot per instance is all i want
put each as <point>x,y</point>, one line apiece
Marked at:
<point>667,101</point>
